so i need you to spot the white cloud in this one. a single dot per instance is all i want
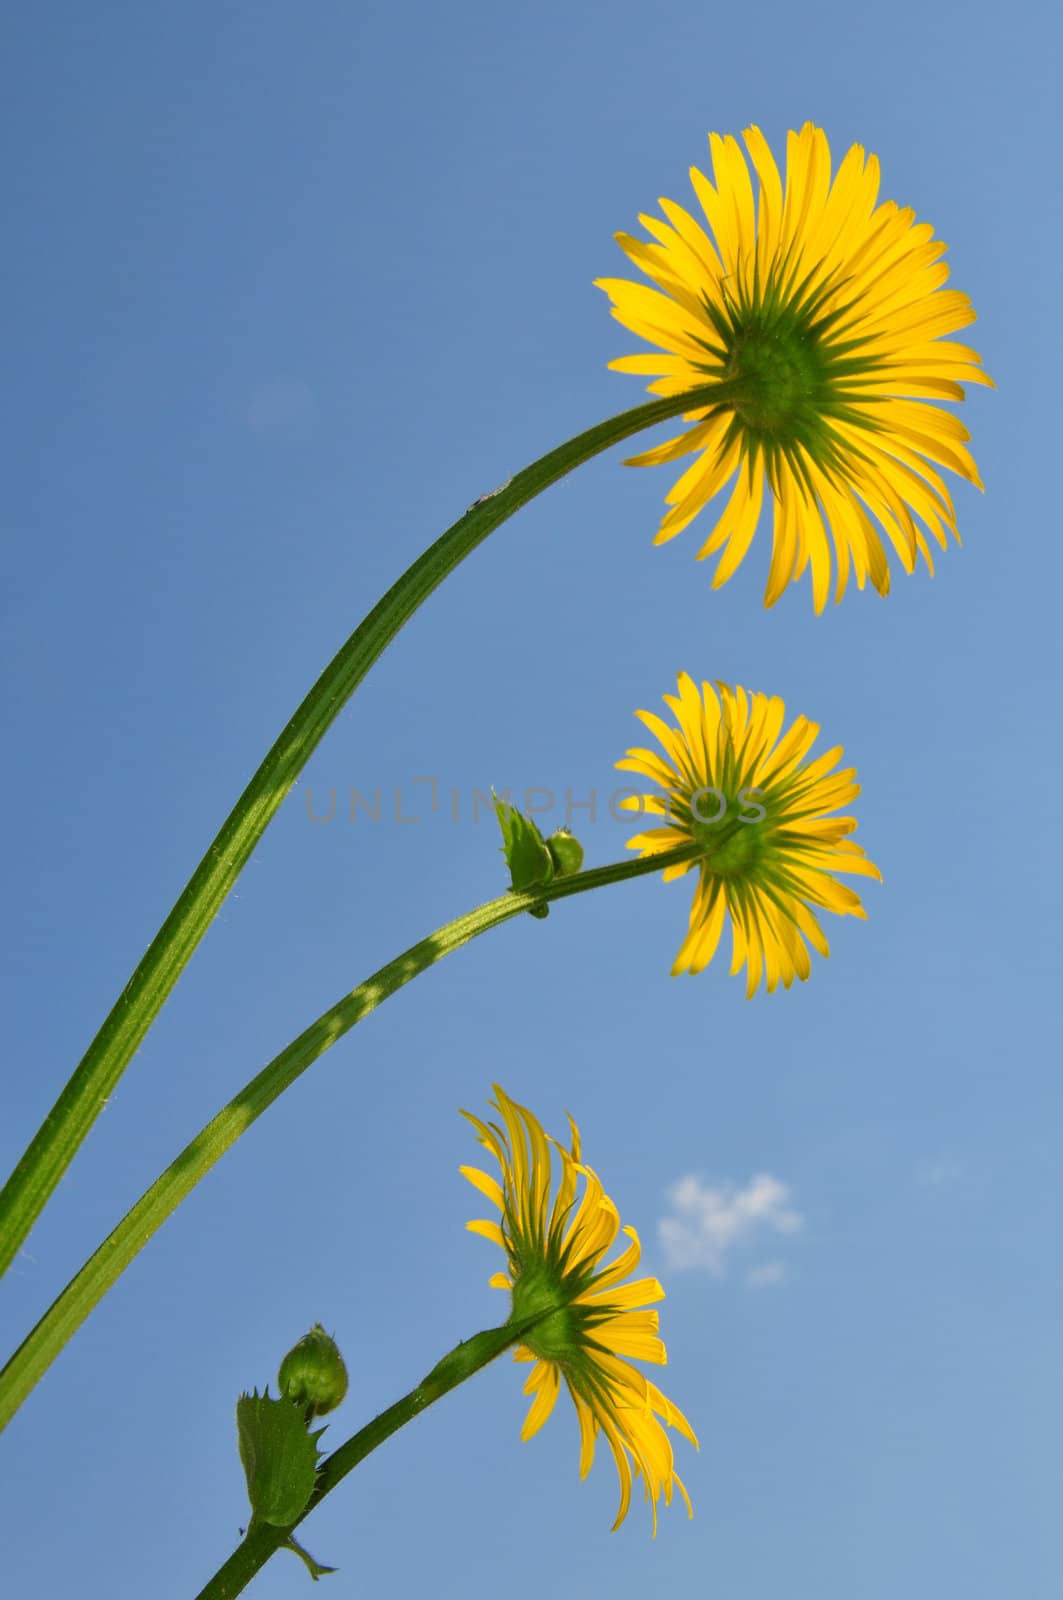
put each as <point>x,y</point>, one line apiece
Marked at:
<point>767,1275</point>
<point>709,1221</point>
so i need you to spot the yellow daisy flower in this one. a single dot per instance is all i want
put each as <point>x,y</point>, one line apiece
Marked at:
<point>819,314</point>
<point>593,1318</point>
<point>739,787</point>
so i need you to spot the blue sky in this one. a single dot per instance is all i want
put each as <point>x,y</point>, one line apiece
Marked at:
<point>287,288</point>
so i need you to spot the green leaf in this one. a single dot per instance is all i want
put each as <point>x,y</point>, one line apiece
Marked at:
<point>279,1457</point>
<point>530,863</point>
<point>315,1569</point>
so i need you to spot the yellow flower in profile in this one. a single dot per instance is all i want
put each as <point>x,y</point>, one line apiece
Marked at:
<point>742,791</point>
<point>591,1319</point>
<point>819,314</point>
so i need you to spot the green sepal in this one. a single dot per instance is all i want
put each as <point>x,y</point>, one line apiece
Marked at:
<point>279,1457</point>
<point>566,852</point>
<point>530,863</point>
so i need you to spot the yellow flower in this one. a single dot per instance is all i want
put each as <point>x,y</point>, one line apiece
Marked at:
<point>819,314</point>
<point>590,1318</point>
<point>762,818</point>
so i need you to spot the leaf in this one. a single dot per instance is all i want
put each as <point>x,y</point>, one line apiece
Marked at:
<point>530,863</point>
<point>315,1569</point>
<point>279,1457</point>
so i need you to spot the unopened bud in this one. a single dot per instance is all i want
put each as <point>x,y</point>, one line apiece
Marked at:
<point>566,852</point>
<point>312,1375</point>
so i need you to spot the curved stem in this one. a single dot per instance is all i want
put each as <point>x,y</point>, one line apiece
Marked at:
<point>66,1314</point>
<point>263,1539</point>
<point>54,1146</point>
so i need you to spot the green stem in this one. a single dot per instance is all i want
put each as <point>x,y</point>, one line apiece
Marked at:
<point>66,1314</point>
<point>263,1539</point>
<point>55,1144</point>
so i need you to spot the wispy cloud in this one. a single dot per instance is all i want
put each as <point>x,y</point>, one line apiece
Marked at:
<point>767,1275</point>
<point>709,1221</point>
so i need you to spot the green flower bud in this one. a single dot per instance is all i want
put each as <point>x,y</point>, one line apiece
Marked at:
<point>566,852</point>
<point>312,1374</point>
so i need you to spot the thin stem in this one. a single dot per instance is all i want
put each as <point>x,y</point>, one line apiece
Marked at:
<point>51,1151</point>
<point>66,1314</point>
<point>262,1539</point>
